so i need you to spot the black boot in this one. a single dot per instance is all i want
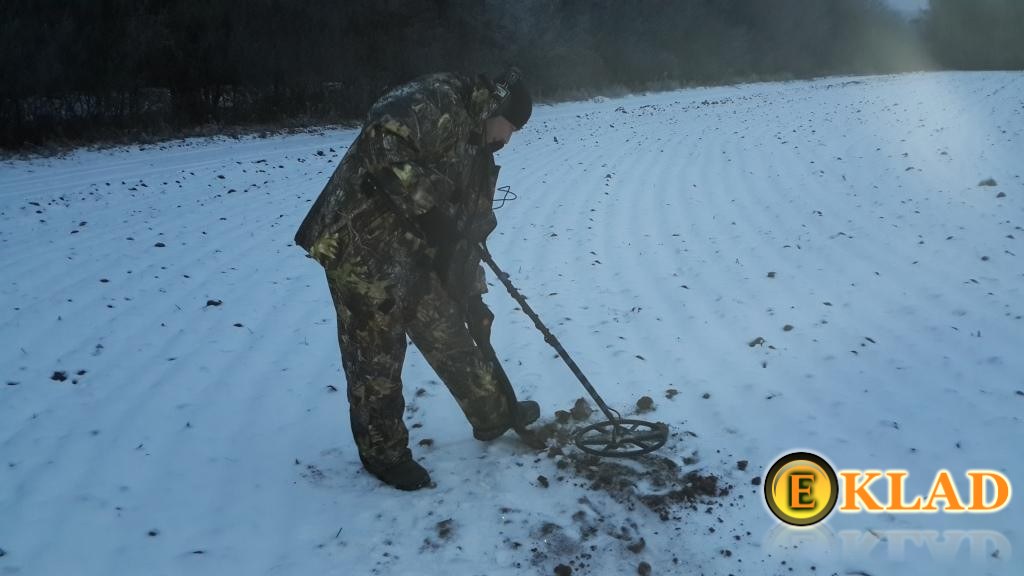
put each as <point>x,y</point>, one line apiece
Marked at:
<point>527,412</point>
<point>405,474</point>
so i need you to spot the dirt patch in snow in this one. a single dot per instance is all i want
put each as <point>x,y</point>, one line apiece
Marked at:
<point>653,480</point>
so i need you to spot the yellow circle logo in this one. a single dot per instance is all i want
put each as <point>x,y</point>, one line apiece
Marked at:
<point>801,489</point>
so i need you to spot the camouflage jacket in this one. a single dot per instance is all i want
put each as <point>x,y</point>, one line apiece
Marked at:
<point>420,149</point>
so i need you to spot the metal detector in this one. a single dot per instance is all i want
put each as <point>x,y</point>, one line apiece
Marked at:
<point>614,437</point>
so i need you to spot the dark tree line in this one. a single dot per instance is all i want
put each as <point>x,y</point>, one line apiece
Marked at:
<point>85,69</point>
<point>977,34</point>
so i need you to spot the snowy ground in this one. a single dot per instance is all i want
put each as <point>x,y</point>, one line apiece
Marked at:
<point>658,235</point>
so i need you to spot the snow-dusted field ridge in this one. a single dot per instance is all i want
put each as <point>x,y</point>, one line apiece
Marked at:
<point>171,399</point>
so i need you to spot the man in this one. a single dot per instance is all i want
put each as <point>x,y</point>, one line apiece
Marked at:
<point>397,230</point>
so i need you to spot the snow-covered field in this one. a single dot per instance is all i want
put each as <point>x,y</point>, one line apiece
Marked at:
<point>171,399</point>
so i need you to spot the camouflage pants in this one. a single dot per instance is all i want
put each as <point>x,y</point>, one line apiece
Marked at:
<point>376,309</point>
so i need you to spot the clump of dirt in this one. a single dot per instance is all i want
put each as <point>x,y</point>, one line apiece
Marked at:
<point>644,404</point>
<point>445,529</point>
<point>581,410</point>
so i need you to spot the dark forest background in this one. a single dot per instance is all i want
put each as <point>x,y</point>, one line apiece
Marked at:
<point>83,70</point>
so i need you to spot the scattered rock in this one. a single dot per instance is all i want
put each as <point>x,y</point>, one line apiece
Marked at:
<point>787,328</point>
<point>213,303</point>
<point>756,480</point>
<point>988,182</point>
<point>543,481</point>
<point>581,410</point>
<point>771,274</point>
<point>562,417</point>
<point>1001,195</point>
<point>3,553</point>
<point>445,529</point>
<point>427,442</point>
<point>706,395</point>
<point>153,533</point>
<point>159,245</point>
<point>759,341</point>
<point>59,376</point>
<point>644,404</point>
<point>643,569</point>
<point>671,393</point>
<point>741,465</point>
<point>1019,392</point>
<point>13,383</point>
<point>637,546</point>
<point>563,570</point>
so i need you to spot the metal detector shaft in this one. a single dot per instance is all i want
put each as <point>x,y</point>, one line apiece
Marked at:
<point>611,414</point>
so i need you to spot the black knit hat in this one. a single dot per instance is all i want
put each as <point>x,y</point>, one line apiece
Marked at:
<point>516,104</point>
